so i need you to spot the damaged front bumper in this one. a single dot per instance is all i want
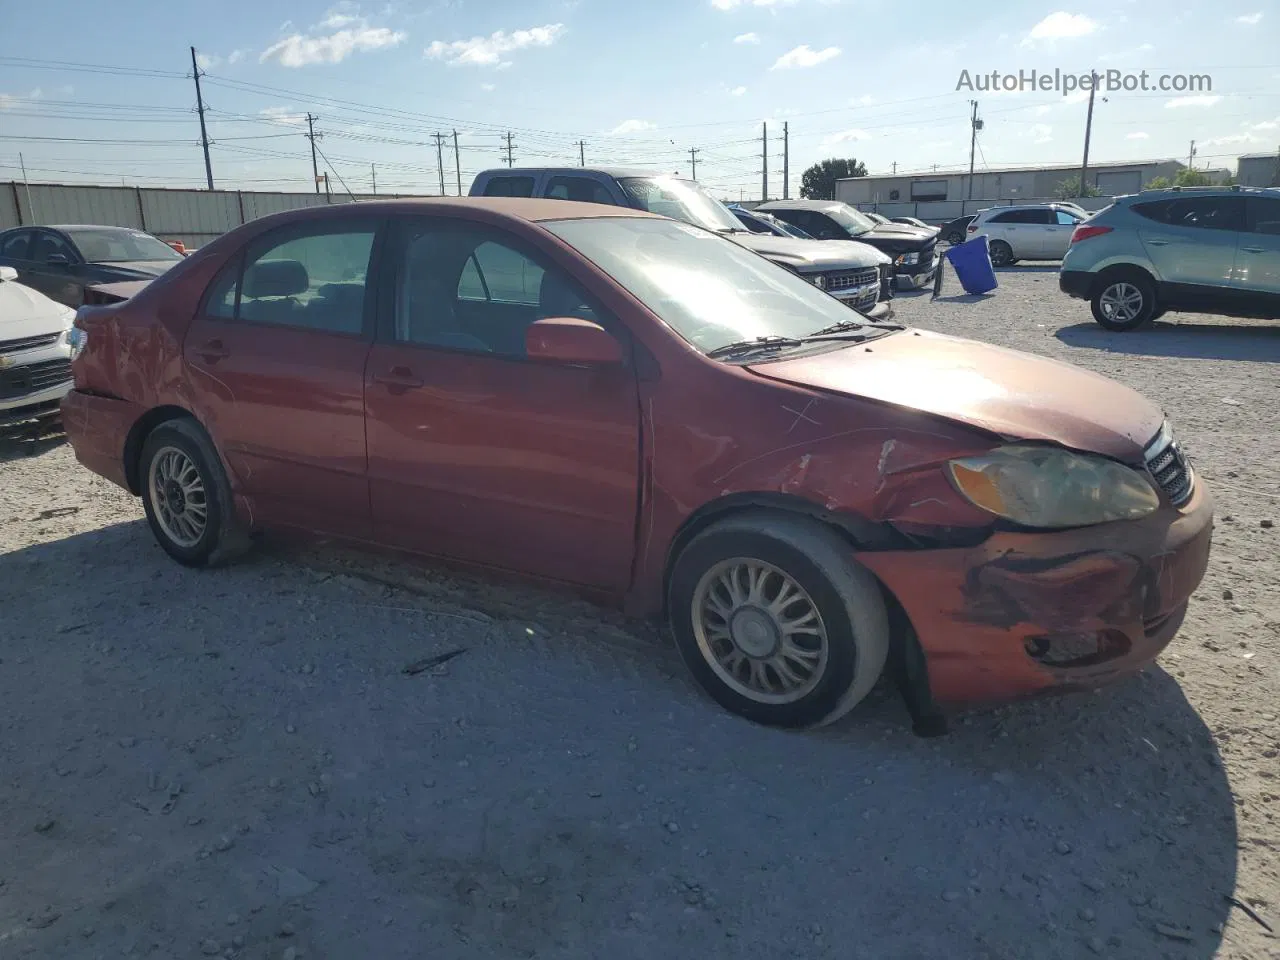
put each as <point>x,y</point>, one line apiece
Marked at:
<point>1030,613</point>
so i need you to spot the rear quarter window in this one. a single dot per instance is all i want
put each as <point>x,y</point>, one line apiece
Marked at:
<point>509,187</point>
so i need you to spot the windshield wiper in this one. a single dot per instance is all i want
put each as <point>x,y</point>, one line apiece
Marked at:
<point>855,330</point>
<point>754,345</point>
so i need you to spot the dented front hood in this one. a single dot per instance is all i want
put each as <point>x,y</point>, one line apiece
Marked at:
<point>1015,395</point>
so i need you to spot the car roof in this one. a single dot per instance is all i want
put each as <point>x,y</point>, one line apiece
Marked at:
<point>535,209</point>
<point>801,205</point>
<point>89,226</point>
<point>615,172</point>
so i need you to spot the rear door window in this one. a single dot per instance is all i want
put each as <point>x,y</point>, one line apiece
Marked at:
<point>1202,213</point>
<point>49,245</point>
<point>509,187</point>
<point>1264,216</point>
<point>1065,219</point>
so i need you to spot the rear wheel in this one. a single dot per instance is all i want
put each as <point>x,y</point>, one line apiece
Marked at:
<point>187,497</point>
<point>955,238</point>
<point>776,621</point>
<point>1124,302</point>
<point>1001,254</point>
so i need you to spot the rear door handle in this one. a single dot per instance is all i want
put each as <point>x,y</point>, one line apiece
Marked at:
<point>213,351</point>
<point>1158,243</point>
<point>401,377</point>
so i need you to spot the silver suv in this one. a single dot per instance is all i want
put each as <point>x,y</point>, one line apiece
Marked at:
<point>1197,250</point>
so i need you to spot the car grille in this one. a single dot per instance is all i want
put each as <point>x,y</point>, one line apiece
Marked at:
<point>19,381</point>
<point>29,343</point>
<point>836,282</point>
<point>1169,467</point>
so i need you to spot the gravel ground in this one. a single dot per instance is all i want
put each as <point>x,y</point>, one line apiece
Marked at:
<point>236,762</point>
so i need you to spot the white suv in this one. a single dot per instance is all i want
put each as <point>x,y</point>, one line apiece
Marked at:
<point>1040,231</point>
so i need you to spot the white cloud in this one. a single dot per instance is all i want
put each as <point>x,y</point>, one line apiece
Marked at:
<point>1264,125</point>
<point>730,4</point>
<point>204,61</point>
<point>1198,100</point>
<point>844,136</point>
<point>1042,110</point>
<point>1138,135</point>
<point>1061,26</point>
<point>1127,55</point>
<point>350,34</point>
<point>488,87</point>
<point>737,91</point>
<point>631,126</point>
<point>236,56</point>
<point>863,101</point>
<point>1230,140</point>
<point>488,51</point>
<point>1041,133</point>
<point>1250,19</point>
<point>1076,96</point>
<point>747,38</point>
<point>283,115</point>
<point>802,56</point>
<point>9,101</point>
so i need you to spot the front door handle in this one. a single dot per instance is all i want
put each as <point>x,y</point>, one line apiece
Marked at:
<point>1254,249</point>
<point>1158,243</point>
<point>399,377</point>
<point>213,350</point>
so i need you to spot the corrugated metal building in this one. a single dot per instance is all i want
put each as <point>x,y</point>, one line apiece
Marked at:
<point>1259,170</point>
<point>1009,184</point>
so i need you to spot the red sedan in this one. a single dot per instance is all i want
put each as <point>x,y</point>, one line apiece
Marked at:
<point>639,408</point>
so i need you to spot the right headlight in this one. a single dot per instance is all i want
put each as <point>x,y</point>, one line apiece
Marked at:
<point>1038,486</point>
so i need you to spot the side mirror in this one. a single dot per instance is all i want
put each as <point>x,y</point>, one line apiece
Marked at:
<point>57,260</point>
<point>8,273</point>
<point>570,340</point>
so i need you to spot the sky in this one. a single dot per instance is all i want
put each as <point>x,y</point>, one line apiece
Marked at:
<point>636,84</point>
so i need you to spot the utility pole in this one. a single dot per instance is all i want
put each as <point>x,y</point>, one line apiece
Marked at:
<point>895,168</point>
<point>582,153</point>
<point>327,198</point>
<point>786,161</point>
<point>693,160</point>
<point>440,158</point>
<point>973,144</point>
<point>31,209</point>
<point>1191,156</point>
<point>373,171</point>
<point>1088,132</point>
<point>457,163</point>
<point>764,161</point>
<point>510,159</point>
<point>204,133</point>
<point>311,135</point>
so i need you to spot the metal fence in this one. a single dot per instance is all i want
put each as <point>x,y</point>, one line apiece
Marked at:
<point>940,211</point>
<point>193,217</point>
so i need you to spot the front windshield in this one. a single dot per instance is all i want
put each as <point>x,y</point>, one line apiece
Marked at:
<point>680,200</point>
<point>120,246</point>
<point>707,288</point>
<point>850,219</point>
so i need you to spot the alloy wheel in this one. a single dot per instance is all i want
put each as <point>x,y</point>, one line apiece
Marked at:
<point>760,631</point>
<point>178,496</point>
<point>1121,302</point>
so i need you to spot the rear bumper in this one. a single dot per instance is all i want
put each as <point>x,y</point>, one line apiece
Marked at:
<point>1076,283</point>
<point>97,428</point>
<point>1033,613</point>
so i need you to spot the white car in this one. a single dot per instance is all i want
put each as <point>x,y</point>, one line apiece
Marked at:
<point>35,358</point>
<point>1040,231</point>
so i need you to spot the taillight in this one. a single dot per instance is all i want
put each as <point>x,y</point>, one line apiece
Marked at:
<point>972,228</point>
<point>1084,232</point>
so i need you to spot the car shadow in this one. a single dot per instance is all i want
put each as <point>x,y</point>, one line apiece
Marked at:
<point>1203,341</point>
<point>24,442</point>
<point>1032,268</point>
<point>964,298</point>
<point>533,791</point>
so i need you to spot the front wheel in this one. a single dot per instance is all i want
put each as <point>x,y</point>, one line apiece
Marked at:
<point>776,621</point>
<point>1124,303</point>
<point>187,497</point>
<point>955,238</point>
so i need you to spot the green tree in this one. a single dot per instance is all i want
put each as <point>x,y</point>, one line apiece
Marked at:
<point>1069,189</point>
<point>1158,183</point>
<point>1188,177</point>
<point>819,181</point>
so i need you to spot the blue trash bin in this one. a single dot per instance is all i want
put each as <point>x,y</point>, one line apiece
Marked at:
<point>971,261</point>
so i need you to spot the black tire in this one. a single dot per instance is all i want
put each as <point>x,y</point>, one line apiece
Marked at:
<point>955,238</point>
<point>1001,254</point>
<point>846,596</point>
<point>223,537</point>
<point>1124,287</point>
